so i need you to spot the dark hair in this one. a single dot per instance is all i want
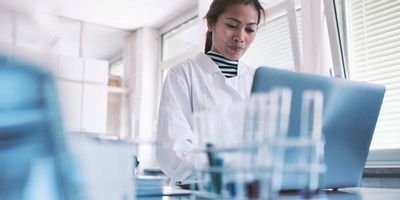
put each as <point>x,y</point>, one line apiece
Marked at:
<point>218,7</point>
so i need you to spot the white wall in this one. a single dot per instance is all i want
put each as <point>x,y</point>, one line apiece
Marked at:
<point>142,75</point>
<point>141,61</point>
<point>203,6</point>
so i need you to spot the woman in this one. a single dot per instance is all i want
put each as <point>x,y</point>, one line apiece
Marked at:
<point>215,79</point>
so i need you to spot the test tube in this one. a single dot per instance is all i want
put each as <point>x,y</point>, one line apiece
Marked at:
<point>268,119</point>
<point>311,131</point>
<point>281,100</point>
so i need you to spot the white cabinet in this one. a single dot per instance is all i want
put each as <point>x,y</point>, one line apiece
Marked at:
<point>39,59</point>
<point>6,48</point>
<point>70,68</point>
<point>51,64</point>
<point>83,93</point>
<point>96,71</point>
<point>6,33</point>
<point>94,108</point>
<point>70,95</point>
<point>87,113</point>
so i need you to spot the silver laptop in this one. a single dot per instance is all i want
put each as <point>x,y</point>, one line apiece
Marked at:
<point>350,113</point>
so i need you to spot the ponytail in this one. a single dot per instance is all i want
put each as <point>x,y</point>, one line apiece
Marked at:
<point>208,42</point>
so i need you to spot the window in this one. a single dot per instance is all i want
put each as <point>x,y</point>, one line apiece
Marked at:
<point>117,69</point>
<point>272,46</point>
<point>180,39</point>
<point>374,56</point>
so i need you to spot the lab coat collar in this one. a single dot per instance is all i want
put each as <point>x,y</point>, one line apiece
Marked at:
<point>212,67</point>
<point>242,69</point>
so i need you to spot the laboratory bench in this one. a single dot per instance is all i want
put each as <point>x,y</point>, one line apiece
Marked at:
<point>341,194</point>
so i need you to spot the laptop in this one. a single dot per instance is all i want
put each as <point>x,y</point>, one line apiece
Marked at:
<point>350,113</point>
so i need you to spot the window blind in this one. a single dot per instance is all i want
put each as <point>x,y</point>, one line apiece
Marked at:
<point>374,56</point>
<point>181,39</point>
<point>272,45</point>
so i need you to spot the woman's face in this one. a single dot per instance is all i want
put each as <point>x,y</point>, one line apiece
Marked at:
<point>234,31</point>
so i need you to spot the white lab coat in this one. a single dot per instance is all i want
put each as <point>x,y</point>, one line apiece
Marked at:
<point>195,85</point>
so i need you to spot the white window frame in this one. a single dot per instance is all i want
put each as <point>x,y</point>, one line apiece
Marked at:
<point>279,9</point>
<point>313,38</point>
<point>337,51</point>
<point>167,64</point>
<point>377,158</point>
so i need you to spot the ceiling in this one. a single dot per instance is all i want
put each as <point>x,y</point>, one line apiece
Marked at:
<point>124,14</point>
<point>121,14</point>
<point>104,19</point>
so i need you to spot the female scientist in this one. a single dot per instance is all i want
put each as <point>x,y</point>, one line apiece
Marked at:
<point>215,79</point>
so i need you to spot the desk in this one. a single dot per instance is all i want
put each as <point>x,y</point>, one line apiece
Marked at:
<point>373,193</point>
<point>342,194</point>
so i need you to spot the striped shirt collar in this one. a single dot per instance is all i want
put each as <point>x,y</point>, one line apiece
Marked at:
<point>212,67</point>
<point>229,68</point>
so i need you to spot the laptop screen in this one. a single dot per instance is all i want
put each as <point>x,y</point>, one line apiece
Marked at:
<point>350,113</point>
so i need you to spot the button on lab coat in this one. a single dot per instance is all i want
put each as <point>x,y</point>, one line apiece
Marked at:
<point>195,85</point>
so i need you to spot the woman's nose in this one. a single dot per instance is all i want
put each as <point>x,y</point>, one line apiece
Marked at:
<point>239,35</point>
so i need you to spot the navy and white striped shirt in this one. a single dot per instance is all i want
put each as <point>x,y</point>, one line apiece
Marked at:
<point>228,67</point>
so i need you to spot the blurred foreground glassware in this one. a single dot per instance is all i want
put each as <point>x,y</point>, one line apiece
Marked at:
<point>219,135</point>
<point>105,165</point>
<point>33,148</point>
<point>235,146</point>
<point>308,147</point>
<point>244,152</point>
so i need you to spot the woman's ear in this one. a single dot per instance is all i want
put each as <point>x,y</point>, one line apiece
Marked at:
<point>209,27</point>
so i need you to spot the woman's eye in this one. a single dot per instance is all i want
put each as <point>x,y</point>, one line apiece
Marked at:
<point>231,25</point>
<point>250,30</point>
